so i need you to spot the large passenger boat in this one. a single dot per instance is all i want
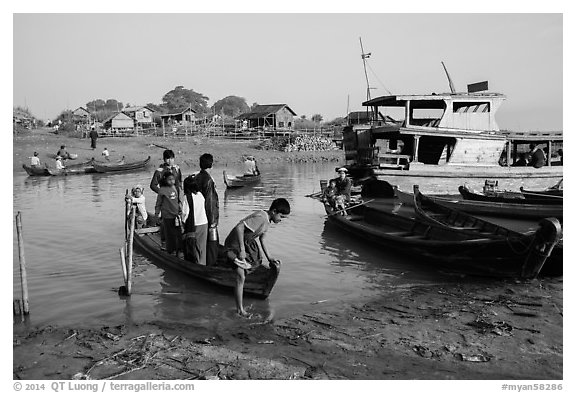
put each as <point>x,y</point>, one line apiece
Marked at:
<point>445,135</point>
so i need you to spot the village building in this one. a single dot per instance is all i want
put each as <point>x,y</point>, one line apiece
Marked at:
<point>142,115</point>
<point>269,117</point>
<point>184,117</point>
<point>81,113</point>
<point>119,122</point>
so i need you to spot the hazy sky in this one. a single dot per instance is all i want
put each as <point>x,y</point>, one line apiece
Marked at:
<point>309,61</point>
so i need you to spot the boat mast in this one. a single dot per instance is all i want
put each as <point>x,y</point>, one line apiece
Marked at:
<point>452,89</point>
<point>364,57</point>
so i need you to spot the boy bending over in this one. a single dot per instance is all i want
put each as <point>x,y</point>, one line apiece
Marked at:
<point>242,248</point>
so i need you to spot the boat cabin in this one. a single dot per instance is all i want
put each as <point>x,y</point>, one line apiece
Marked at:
<point>435,129</point>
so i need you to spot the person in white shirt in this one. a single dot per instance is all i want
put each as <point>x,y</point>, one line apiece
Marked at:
<point>196,224</point>
<point>34,160</point>
<point>250,166</point>
<point>59,165</point>
<point>139,200</point>
<point>106,154</point>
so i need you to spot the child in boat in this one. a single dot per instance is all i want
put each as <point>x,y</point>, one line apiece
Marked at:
<point>329,193</point>
<point>196,225</point>
<point>242,251</point>
<point>137,197</point>
<point>106,154</point>
<point>169,208</point>
<point>34,160</point>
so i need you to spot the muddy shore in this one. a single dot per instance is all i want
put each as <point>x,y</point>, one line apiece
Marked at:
<point>225,151</point>
<point>480,330</point>
<point>488,329</point>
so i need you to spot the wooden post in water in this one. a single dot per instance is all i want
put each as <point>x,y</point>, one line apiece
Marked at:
<point>23,276</point>
<point>130,250</point>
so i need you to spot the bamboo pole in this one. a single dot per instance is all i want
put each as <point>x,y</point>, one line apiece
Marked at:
<point>130,250</point>
<point>23,275</point>
<point>123,264</point>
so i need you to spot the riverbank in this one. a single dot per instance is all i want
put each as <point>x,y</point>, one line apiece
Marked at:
<point>188,150</point>
<point>473,330</point>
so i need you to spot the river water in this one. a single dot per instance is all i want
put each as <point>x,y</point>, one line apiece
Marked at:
<point>73,229</point>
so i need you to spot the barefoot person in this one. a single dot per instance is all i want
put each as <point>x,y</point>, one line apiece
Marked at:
<point>242,248</point>
<point>208,189</point>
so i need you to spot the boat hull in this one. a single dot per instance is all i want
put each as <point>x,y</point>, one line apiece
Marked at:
<point>258,283</point>
<point>122,167</point>
<point>240,181</point>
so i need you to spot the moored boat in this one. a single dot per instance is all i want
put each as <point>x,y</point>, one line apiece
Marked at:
<point>36,170</point>
<point>428,210</point>
<point>120,166</point>
<point>507,197</point>
<point>259,282</point>
<point>516,257</point>
<point>240,181</point>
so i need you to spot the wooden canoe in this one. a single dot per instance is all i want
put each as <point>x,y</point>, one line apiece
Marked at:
<point>505,197</point>
<point>121,166</point>
<point>36,170</point>
<point>240,181</point>
<point>75,169</point>
<point>514,257</point>
<point>428,210</point>
<point>259,283</point>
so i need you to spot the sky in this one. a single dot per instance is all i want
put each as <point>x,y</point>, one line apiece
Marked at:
<point>309,61</point>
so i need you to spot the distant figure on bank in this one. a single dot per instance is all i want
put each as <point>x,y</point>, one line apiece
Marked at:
<point>537,157</point>
<point>35,160</point>
<point>344,184</point>
<point>137,197</point>
<point>59,163</point>
<point>250,168</point>
<point>521,161</point>
<point>106,154</point>
<point>242,249</point>
<point>195,237</point>
<point>63,153</point>
<point>169,208</point>
<point>93,138</point>
<point>168,166</point>
<point>207,187</point>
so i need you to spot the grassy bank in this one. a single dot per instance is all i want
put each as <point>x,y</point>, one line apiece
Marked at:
<point>225,151</point>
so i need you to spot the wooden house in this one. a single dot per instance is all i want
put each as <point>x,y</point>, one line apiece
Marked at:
<point>269,117</point>
<point>119,122</point>
<point>188,115</point>
<point>140,114</point>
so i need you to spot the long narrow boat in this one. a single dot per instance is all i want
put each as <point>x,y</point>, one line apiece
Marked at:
<point>428,210</point>
<point>482,256</point>
<point>80,168</point>
<point>498,209</point>
<point>259,283</point>
<point>556,190</point>
<point>120,166</point>
<point>240,181</point>
<point>36,170</point>
<point>510,198</point>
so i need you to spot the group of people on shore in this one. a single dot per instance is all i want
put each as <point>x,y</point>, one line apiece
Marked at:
<point>187,213</point>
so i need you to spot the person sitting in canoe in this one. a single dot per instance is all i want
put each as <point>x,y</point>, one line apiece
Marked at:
<point>137,197</point>
<point>35,160</point>
<point>63,153</point>
<point>344,184</point>
<point>242,251</point>
<point>59,164</point>
<point>106,154</point>
<point>250,168</point>
<point>330,195</point>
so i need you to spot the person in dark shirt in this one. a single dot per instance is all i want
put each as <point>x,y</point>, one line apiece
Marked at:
<point>208,189</point>
<point>93,138</point>
<point>521,161</point>
<point>63,153</point>
<point>344,184</point>
<point>167,167</point>
<point>537,158</point>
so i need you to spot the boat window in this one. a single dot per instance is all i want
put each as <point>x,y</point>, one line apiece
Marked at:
<point>471,107</point>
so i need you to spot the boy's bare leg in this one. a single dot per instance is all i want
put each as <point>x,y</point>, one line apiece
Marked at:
<point>239,291</point>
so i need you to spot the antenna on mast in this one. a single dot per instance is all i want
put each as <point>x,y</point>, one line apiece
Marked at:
<point>364,57</point>
<point>452,89</point>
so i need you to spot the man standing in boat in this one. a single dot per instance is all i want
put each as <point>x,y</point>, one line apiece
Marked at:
<point>208,189</point>
<point>167,166</point>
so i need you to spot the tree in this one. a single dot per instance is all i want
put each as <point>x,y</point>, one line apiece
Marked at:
<point>231,106</point>
<point>317,118</point>
<point>254,105</point>
<point>95,105</point>
<point>303,117</point>
<point>113,105</point>
<point>179,99</point>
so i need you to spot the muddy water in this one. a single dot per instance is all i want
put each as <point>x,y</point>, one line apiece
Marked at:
<point>73,228</point>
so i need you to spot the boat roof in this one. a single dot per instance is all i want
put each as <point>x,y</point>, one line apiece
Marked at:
<point>400,100</point>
